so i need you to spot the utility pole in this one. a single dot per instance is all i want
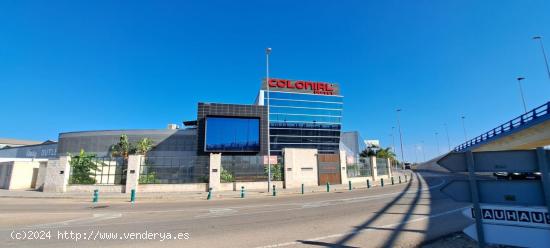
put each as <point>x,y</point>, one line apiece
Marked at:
<point>448,139</point>
<point>521,93</point>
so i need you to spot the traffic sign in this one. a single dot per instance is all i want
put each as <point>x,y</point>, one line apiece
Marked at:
<point>512,235</point>
<point>520,192</point>
<point>494,161</point>
<point>512,215</point>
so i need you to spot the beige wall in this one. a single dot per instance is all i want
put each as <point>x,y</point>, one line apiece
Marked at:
<point>91,188</point>
<point>249,185</point>
<point>300,166</point>
<point>18,174</point>
<point>215,168</point>
<point>189,187</point>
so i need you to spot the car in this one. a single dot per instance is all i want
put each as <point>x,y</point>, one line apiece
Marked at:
<point>518,175</point>
<point>408,166</point>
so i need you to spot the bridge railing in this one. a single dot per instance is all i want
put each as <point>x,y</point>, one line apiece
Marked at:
<point>522,120</point>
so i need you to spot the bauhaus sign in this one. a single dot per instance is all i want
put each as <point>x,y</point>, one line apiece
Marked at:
<point>302,86</point>
<point>522,216</point>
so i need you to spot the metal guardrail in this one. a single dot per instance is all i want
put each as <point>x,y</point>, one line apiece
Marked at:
<point>509,126</point>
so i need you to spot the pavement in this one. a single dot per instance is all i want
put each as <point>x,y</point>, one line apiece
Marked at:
<point>402,215</point>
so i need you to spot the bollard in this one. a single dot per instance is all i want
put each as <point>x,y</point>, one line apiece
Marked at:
<point>209,194</point>
<point>392,182</point>
<point>302,188</point>
<point>274,191</point>
<point>328,187</point>
<point>382,182</point>
<point>368,184</point>
<point>349,185</point>
<point>242,191</point>
<point>96,196</point>
<point>399,179</point>
<point>133,196</point>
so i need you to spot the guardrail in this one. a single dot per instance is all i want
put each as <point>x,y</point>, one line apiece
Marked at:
<point>509,126</point>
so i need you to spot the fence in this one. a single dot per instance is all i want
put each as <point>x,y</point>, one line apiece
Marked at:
<point>248,169</point>
<point>173,170</point>
<point>98,170</point>
<point>382,166</point>
<point>539,113</point>
<point>362,168</point>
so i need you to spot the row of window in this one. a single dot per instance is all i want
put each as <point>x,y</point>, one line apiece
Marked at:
<point>295,125</point>
<point>304,132</point>
<point>325,147</point>
<point>304,140</point>
<point>305,104</point>
<point>305,97</point>
<point>304,111</point>
<point>303,118</point>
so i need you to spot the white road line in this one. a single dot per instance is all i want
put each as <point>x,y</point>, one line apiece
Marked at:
<point>365,230</point>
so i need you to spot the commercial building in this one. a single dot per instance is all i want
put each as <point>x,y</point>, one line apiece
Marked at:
<point>229,143</point>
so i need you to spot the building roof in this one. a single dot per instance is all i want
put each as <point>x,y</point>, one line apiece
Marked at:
<point>18,142</point>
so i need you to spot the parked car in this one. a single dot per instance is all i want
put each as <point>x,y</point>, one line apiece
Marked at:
<point>518,175</point>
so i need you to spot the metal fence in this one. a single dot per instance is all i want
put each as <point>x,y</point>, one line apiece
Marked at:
<point>539,113</point>
<point>249,169</point>
<point>362,168</point>
<point>98,170</point>
<point>173,170</point>
<point>382,166</point>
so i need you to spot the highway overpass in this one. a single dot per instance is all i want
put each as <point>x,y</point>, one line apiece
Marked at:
<point>527,131</point>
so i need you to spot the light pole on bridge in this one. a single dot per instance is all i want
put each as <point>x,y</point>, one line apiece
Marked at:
<point>543,54</point>
<point>521,93</point>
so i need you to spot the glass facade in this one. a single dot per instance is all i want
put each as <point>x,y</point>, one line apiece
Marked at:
<point>301,120</point>
<point>232,134</point>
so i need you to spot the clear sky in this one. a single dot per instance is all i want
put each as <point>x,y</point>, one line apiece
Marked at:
<point>87,65</point>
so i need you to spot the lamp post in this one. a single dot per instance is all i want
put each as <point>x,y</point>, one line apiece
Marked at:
<point>464,127</point>
<point>267,52</point>
<point>521,93</point>
<point>400,136</point>
<point>423,153</point>
<point>543,54</point>
<point>393,139</point>
<point>448,139</point>
<point>437,142</point>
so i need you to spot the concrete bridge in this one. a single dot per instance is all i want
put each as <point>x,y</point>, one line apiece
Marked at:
<point>527,131</point>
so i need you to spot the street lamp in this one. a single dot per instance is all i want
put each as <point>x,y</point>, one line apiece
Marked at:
<point>267,52</point>
<point>423,154</point>
<point>543,54</point>
<point>521,93</point>
<point>437,142</point>
<point>448,139</point>
<point>464,127</point>
<point>393,139</point>
<point>400,136</point>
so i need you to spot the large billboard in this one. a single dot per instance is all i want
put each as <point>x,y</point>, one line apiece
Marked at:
<point>232,134</point>
<point>302,86</point>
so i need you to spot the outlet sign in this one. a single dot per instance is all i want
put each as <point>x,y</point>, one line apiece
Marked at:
<point>303,86</point>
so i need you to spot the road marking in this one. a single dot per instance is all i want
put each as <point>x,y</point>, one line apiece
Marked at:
<point>336,202</point>
<point>337,235</point>
<point>86,220</point>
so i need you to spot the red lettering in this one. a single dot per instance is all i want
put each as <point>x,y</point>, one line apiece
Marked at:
<point>289,84</point>
<point>272,83</point>
<point>281,83</point>
<point>299,85</point>
<point>329,87</point>
<point>321,86</point>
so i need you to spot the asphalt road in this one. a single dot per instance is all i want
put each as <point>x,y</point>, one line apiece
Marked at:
<point>394,216</point>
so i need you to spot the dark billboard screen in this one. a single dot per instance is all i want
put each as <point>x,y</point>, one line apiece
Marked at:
<point>230,134</point>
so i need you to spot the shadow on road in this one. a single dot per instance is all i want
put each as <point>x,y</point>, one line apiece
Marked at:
<point>412,196</point>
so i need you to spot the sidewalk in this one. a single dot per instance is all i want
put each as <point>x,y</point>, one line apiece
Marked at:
<point>198,195</point>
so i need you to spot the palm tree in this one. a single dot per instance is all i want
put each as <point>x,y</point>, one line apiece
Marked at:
<point>386,153</point>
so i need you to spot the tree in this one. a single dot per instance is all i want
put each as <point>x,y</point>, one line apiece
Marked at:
<point>143,146</point>
<point>123,148</point>
<point>386,153</point>
<point>369,152</point>
<point>82,166</point>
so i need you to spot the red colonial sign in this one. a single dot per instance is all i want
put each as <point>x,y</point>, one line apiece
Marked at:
<point>320,88</point>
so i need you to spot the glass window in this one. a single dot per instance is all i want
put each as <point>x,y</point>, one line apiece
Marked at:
<point>307,111</point>
<point>303,118</point>
<point>304,125</point>
<point>305,132</point>
<point>232,134</point>
<point>307,97</point>
<point>304,139</point>
<point>276,102</point>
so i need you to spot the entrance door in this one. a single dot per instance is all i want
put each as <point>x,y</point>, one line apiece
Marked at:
<point>329,168</point>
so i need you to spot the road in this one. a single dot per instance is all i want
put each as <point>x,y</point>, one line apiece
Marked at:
<point>393,216</point>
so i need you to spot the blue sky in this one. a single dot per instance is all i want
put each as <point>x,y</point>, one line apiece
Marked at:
<point>85,65</point>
